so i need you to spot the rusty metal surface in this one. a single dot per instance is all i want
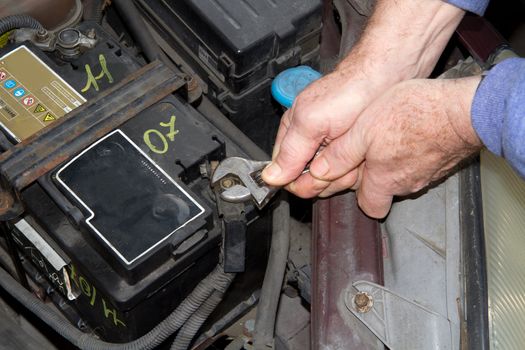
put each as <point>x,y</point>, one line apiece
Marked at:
<point>346,244</point>
<point>34,157</point>
<point>346,248</point>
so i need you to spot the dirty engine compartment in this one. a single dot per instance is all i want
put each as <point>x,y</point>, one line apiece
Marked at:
<point>114,116</point>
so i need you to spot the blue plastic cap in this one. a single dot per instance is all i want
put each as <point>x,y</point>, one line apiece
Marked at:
<point>290,82</point>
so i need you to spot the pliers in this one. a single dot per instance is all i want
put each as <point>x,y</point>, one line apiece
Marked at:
<point>239,180</point>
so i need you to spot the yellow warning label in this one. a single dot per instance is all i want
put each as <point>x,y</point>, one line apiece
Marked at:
<point>49,117</point>
<point>31,90</point>
<point>39,109</point>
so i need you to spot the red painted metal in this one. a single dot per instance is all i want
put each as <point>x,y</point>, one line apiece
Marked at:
<point>346,248</point>
<point>479,37</point>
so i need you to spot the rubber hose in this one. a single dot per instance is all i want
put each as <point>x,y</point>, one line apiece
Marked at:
<point>140,33</point>
<point>19,21</point>
<point>216,280</point>
<point>273,277</point>
<point>194,323</point>
<point>93,10</point>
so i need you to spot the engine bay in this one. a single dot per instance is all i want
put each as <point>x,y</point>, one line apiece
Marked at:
<point>114,118</point>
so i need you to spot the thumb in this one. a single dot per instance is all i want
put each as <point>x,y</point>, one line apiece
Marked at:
<point>293,151</point>
<point>341,156</point>
<point>371,199</point>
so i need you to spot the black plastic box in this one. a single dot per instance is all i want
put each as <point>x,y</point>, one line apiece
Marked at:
<point>237,47</point>
<point>122,299</point>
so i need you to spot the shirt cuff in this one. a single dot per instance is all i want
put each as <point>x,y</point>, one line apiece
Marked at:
<point>490,103</point>
<point>475,6</point>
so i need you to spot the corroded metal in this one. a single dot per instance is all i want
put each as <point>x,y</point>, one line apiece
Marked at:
<point>363,302</point>
<point>21,165</point>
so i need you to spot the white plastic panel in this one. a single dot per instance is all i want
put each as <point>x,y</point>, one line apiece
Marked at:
<point>421,240</point>
<point>503,193</point>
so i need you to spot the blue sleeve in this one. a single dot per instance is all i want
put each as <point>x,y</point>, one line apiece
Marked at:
<point>476,6</point>
<point>498,112</point>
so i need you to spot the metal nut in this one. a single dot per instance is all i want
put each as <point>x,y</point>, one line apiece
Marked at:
<point>227,183</point>
<point>192,83</point>
<point>363,302</point>
<point>42,35</point>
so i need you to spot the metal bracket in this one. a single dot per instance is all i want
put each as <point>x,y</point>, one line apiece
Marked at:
<point>70,42</point>
<point>398,322</point>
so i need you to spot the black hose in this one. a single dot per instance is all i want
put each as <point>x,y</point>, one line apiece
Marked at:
<point>19,21</point>
<point>136,26</point>
<point>273,277</point>
<point>216,280</point>
<point>93,10</point>
<point>194,323</point>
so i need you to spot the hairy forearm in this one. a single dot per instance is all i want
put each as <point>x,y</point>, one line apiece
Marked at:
<point>402,40</point>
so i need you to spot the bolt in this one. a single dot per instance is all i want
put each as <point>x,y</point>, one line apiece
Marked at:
<point>91,33</point>
<point>363,302</point>
<point>227,182</point>
<point>42,35</point>
<point>191,83</point>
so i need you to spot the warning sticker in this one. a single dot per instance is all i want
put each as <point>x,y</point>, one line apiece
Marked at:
<point>29,88</point>
<point>49,118</point>
<point>39,109</point>
<point>28,101</point>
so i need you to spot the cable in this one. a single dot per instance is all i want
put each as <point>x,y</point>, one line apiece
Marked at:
<point>273,278</point>
<point>194,323</point>
<point>140,33</point>
<point>216,280</point>
<point>19,21</point>
<point>93,10</point>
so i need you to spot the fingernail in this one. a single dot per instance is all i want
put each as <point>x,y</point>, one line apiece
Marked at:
<point>272,171</point>
<point>320,167</point>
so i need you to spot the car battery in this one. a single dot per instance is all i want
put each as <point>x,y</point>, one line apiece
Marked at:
<point>237,47</point>
<point>128,227</point>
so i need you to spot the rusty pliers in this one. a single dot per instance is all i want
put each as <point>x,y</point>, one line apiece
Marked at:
<point>239,180</point>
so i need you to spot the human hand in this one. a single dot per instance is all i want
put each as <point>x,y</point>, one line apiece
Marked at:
<point>402,40</point>
<point>412,135</point>
<point>319,114</point>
